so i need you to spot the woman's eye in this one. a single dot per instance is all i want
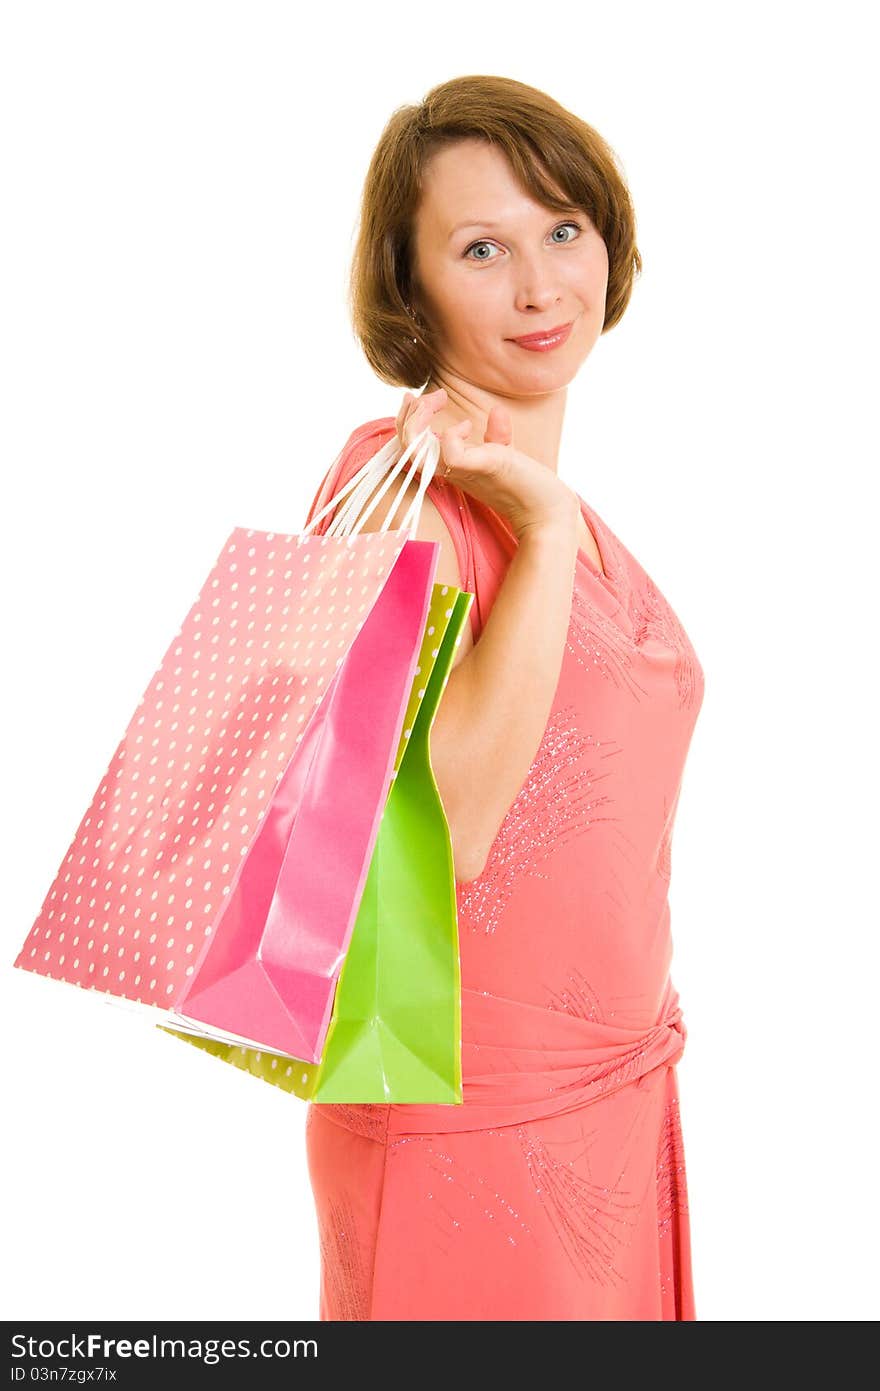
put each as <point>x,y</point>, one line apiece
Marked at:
<point>575,225</point>
<point>473,246</point>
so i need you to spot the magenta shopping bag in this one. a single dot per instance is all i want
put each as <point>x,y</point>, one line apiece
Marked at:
<point>217,872</point>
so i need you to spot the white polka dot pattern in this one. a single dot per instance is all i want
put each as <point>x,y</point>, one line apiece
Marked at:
<point>154,856</point>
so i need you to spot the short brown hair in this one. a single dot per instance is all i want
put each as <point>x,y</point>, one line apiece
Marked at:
<point>540,138</point>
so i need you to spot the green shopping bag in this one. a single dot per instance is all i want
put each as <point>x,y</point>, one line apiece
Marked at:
<point>395,1030</point>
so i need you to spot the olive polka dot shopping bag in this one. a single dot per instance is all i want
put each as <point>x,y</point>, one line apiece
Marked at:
<point>218,873</point>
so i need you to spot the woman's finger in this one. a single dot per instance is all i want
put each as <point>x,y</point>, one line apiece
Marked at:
<point>499,427</point>
<point>452,444</point>
<point>403,423</point>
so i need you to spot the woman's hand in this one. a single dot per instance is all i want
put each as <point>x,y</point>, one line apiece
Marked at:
<point>526,493</point>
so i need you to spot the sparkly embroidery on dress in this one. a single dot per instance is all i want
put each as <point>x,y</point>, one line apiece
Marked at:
<point>664,850</point>
<point>558,801</point>
<point>367,1119</point>
<point>459,1181</point>
<point>593,1221</point>
<point>652,618</point>
<point>598,643</point>
<point>578,997</point>
<point>672,1198</point>
<point>346,1270</point>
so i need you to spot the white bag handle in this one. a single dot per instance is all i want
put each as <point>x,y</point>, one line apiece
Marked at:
<point>425,449</point>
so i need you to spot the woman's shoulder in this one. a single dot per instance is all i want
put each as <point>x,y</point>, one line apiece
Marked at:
<point>366,438</point>
<point>364,441</point>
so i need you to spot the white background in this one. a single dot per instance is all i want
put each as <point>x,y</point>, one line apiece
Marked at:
<point>180,187</point>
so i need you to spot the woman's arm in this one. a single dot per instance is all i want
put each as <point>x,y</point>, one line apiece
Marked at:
<point>494,710</point>
<point>499,694</point>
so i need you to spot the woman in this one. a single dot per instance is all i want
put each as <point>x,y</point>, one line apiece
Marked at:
<point>557,1190</point>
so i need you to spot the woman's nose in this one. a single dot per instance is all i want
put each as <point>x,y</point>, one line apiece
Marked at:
<point>537,297</point>
<point>537,286</point>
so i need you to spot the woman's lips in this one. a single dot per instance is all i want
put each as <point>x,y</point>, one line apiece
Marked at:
<point>544,342</point>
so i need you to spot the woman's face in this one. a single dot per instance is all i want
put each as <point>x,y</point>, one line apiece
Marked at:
<point>516,268</point>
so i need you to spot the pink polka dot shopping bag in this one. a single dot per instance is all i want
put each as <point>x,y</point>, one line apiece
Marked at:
<point>250,867</point>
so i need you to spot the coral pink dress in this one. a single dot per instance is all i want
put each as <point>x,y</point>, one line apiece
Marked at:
<point>557,1190</point>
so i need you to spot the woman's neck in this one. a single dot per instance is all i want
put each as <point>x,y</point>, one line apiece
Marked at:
<point>536,421</point>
